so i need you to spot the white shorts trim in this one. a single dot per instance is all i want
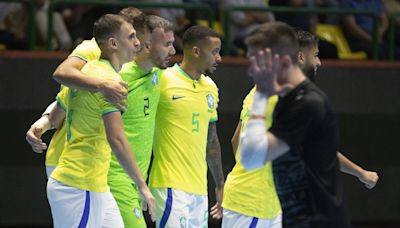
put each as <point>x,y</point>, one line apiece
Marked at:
<point>232,219</point>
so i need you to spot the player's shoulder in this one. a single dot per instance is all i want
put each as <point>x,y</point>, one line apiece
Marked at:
<point>311,101</point>
<point>88,44</point>
<point>208,80</point>
<point>172,70</point>
<point>100,68</point>
<point>87,50</point>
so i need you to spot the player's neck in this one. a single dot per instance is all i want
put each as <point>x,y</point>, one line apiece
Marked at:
<point>296,76</point>
<point>114,61</point>
<point>190,69</point>
<point>144,63</point>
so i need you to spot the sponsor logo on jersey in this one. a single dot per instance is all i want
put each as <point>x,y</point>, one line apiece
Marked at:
<point>174,97</point>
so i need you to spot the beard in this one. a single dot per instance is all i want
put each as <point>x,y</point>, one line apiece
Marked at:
<point>311,73</point>
<point>209,71</point>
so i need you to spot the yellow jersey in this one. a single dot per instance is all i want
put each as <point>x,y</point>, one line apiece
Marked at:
<point>87,51</point>
<point>252,193</point>
<point>85,160</point>
<point>185,109</point>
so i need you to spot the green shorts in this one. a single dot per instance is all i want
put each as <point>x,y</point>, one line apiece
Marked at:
<point>129,202</point>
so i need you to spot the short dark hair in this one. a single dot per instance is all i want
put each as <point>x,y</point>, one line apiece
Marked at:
<point>277,36</point>
<point>197,33</point>
<point>106,27</point>
<point>136,17</point>
<point>154,22</point>
<point>306,39</point>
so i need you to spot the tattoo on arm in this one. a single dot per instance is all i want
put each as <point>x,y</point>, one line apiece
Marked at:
<point>213,155</point>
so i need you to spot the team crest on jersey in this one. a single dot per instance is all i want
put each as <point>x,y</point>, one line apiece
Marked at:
<point>210,101</point>
<point>154,79</point>
<point>182,221</point>
<point>137,212</point>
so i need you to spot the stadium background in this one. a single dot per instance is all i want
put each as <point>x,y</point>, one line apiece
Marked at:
<point>365,95</point>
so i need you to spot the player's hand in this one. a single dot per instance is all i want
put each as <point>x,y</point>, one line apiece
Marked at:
<point>33,137</point>
<point>148,203</point>
<point>115,92</point>
<point>264,69</point>
<point>369,178</point>
<point>216,210</point>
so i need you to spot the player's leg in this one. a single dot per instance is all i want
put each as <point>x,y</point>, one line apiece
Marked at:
<point>128,199</point>
<point>198,211</point>
<point>172,207</point>
<point>275,222</point>
<point>233,219</point>
<point>112,216</point>
<point>72,207</point>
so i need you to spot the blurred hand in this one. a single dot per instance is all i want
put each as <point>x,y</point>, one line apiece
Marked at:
<point>264,69</point>
<point>217,210</point>
<point>115,92</point>
<point>369,178</point>
<point>148,203</point>
<point>33,137</point>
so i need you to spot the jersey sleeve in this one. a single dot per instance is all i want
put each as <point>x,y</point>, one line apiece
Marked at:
<point>62,97</point>
<point>295,124</point>
<point>105,106</point>
<point>88,50</point>
<point>214,106</point>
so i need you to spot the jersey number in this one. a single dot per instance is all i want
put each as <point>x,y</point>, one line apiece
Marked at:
<point>195,122</point>
<point>146,106</point>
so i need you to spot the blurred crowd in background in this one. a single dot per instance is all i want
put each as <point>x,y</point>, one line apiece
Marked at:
<point>72,23</point>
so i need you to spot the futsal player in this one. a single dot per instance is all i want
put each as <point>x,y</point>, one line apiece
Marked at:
<point>303,123</point>
<point>69,74</point>
<point>77,189</point>
<point>185,137</point>
<point>142,76</point>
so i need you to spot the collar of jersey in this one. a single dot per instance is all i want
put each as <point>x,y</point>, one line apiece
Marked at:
<point>178,68</point>
<point>107,62</point>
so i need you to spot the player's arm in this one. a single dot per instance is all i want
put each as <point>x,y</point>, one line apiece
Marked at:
<point>352,27</point>
<point>369,178</point>
<point>51,118</point>
<point>257,145</point>
<point>235,138</point>
<point>69,73</point>
<point>119,144</point>
<point>382,25</point>
<point>213,156</point>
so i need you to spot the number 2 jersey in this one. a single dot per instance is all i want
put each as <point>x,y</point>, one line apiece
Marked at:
<point>139,118</point>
